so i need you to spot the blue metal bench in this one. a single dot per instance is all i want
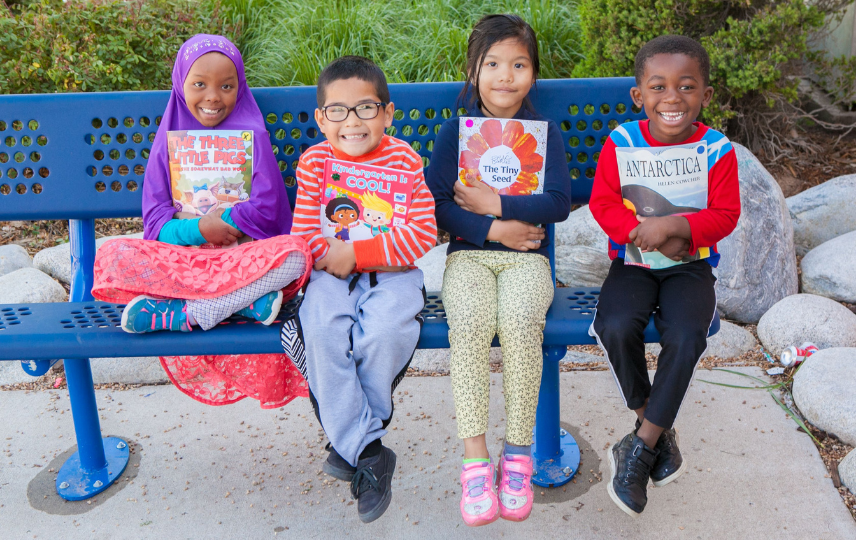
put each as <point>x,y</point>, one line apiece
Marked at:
<point>83,156</point>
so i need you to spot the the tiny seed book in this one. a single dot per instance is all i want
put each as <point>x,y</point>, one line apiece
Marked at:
<point>359,202</point>
<point>663,181</point>
<point>506,154</point>
<point>210,169</point>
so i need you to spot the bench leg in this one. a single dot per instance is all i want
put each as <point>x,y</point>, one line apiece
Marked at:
<point>555,453</point>
<point>97,462</point>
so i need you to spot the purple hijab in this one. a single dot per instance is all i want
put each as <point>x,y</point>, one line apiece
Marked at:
<point>267,212</point>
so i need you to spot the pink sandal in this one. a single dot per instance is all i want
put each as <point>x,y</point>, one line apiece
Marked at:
<point>515,487</point>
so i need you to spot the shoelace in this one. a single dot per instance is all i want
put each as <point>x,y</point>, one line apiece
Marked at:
<point>515,480</point>
<point>476,485</point>
<point>363,479</point>
<point>635,469</point>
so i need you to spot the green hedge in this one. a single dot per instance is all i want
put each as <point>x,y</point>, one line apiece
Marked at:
<point>754,45</point>
<point>55,46</point>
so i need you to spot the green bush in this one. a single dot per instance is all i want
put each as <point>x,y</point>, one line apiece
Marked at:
<point>74,46</point>
<point>756,48</point>
<point>288,42</point>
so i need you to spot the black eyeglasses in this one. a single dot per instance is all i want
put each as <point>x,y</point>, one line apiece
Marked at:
<point>364,111</point>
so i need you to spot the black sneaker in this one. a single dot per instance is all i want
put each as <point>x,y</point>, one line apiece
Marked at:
<point>631,461</point>
<point>336,466</point>
<point>372,485</point>
<point>670,463</point>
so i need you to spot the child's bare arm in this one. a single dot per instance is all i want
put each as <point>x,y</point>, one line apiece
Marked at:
<point>478,198</point>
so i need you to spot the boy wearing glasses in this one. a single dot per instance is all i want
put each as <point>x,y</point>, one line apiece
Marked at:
<point>360,314</point>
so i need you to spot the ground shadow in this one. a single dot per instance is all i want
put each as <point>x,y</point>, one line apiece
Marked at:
<point>587,476</point>
<point>42,495</point>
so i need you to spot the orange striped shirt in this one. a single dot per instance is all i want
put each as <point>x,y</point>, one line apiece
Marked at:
<point>399,247</point>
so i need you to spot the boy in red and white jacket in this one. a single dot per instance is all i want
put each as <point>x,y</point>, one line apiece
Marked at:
<point>360,314</point>
<point>672,78</point>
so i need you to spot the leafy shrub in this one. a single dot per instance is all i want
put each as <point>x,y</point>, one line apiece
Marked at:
<point>55,46</point>
<point>757,48</point>
<point>288,42</point>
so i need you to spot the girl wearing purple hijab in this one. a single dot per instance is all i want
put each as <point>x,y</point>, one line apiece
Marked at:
<point>167,282</point>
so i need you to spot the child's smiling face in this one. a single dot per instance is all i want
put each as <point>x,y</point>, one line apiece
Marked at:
<point>506,76</point>
<point>353,135</point>
<point>374,218</point>
<point>672,91</point>
<point>211,89</point>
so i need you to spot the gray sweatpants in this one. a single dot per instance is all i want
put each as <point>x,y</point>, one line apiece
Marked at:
<point>356,345</point>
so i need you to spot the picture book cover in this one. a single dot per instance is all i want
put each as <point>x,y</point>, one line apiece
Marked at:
<point>210,169</point>
<point>508,155</point>
<point>359,201</point>
<point>663,181</point>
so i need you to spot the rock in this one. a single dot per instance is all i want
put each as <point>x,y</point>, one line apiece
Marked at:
<point>14,257</point>
<point>730,342</point>
<point>56,261</point>
<point>29,285</point>
<point>577,357</point>
<point>847,471</point>
<point>582,266</point>
<point>825,391</point>
<point>580,229</point>
<point>806,317</point>
<point>433,264</point>
<point>145,370</point>
<point>827,270</point>
<point>758,265</point>
<point>823,212</point>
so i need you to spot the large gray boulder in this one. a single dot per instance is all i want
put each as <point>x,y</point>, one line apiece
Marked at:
<point>806,317</point>
<point>847,471</point>
<point>56,261</point>
<point>144,370</point>
<point>825,392</point>
<point>580,229</point>
<point>581,265</point>
<point>758,265</point>
<point>828,269</point>
<point>823,212</point>
<point>28,285</point>
<point>433,264</point>
<point>730,342</point>
<point>14,257</point>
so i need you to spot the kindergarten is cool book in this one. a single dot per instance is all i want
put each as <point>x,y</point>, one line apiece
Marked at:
<point>663,181</point>
<point>359,202</point>
<point>507,155</point>
<point>210,169</point>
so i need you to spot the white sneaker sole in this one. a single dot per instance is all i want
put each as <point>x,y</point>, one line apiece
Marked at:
<point>627,510</point>
<point>124,321</point>
<point>674,476</point>
<point>274,312</point>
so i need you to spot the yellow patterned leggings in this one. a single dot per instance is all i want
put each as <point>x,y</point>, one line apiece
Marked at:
<point>502,293</point>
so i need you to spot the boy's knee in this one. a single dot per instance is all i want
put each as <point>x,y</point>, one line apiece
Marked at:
<point>619,325</point>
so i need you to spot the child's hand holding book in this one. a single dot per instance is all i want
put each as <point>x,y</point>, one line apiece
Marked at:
<point>478,198</point>
<point>216,231</point>
<point>515,234</point>
<point>669,235</point>
<point>340,259</point>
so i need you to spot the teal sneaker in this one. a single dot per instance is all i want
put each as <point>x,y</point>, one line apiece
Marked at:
<point>265,309</point>
<point>147,314</point>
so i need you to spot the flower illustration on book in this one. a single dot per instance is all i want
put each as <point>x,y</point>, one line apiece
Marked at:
<point>505,159</point>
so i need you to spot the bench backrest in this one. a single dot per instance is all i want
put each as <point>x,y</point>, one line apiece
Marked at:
<point>83,156</point>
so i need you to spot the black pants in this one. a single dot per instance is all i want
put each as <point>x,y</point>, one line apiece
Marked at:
<point>685,304</point>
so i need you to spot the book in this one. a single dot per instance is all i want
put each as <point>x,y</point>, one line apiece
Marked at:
<point>359,201</point>
<point>663,181</point>
<point>506,154</point>
<point>210,169</point>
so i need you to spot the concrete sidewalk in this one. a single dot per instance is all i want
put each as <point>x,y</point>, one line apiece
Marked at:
<point>242,472</point>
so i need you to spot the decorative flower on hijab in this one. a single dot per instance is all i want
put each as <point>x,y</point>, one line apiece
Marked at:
<point>491,135</point>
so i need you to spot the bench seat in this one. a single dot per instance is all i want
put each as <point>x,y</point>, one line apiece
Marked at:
<point>91,330</point>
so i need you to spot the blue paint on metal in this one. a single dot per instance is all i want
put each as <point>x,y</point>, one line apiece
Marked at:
<point>555,453</point>
<point>76,482</point>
